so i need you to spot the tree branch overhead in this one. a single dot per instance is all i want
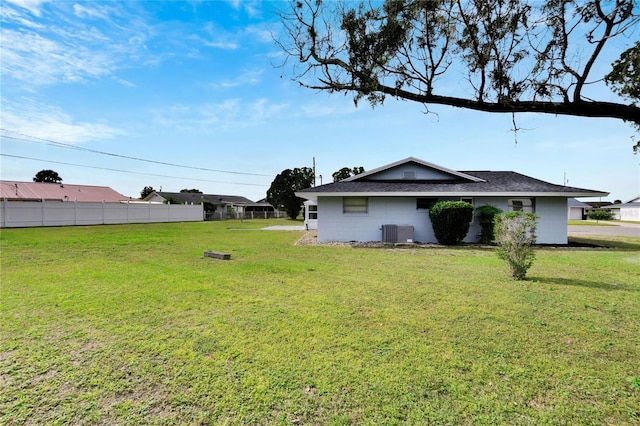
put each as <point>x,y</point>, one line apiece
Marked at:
<point>515,55</point>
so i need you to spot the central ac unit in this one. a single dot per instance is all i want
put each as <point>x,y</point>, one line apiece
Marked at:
<point>397,233</point>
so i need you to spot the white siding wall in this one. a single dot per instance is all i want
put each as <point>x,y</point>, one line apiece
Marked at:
<point>552,220</point>
<point>629,213</point>
<point>333,225</point>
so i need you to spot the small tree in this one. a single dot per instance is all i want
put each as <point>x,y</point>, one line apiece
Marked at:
<point>486,218</point>
<point>515,234</point>
<point>600,214</point>
<point>171,200</point>
<point>146,191</point>
<point>281,193</point>
<point>192,190</point>
<point>450,221</point>
<point>47,176</point>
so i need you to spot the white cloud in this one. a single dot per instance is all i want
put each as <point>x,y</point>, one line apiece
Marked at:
<point>28,117</point>
<point>222,116</point>
<point>82,11</point>
<point>35,60</point>
<point>243,79</point>
<point>33,6</point>
<point>59,48</point>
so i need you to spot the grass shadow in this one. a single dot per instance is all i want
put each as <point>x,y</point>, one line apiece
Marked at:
<point>580,283</point>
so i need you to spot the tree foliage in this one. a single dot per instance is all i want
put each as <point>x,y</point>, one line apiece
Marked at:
<point>506,56</point>
<point>347,172</point>
<point>192,190</point>
<point>281,193</point>
<point>47,176</point>
<point>486,219</point>
<point>146,191</point>
<point>600,214</point>
<point>450,221</point>
<point>515,234</point>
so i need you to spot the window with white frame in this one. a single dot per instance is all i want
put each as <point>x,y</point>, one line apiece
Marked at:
<point>355,205</point>
<point>313,211</point>
<point>521,205</point>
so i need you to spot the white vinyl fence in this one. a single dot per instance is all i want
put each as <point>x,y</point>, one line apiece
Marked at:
<point>17,214</point>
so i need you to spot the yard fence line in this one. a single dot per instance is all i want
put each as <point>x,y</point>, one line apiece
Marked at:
<point>225,215</point>
<point>18,214</point>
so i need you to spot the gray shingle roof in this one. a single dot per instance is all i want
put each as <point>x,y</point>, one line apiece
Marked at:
<point>194,197</point>
<point>493,182</point>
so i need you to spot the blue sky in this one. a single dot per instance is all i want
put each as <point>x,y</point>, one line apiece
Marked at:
<point>197,84</point>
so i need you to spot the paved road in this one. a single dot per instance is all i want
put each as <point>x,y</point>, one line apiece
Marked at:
<point>620,229</point>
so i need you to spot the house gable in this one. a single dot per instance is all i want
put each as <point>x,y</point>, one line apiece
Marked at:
<point>413,169</point>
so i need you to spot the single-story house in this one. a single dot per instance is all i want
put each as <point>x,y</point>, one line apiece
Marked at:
<point>234,205</point>
<point>577,209</point>
<point>391,203</point>
<point>38,191</point>
<point>626,211</point>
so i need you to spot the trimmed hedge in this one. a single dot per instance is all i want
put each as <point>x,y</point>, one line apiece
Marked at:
<point>486,218</point>
<point>600,215</point>
<point>450,221</point>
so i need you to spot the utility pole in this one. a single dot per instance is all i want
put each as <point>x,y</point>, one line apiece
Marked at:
<point>314,171</point>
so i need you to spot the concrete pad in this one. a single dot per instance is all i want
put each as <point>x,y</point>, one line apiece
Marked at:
<point>285,228</point>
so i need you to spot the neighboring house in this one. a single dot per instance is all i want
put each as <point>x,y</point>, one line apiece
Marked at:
<point>391,203</point>
<point>231,204</point>
<point>259,207</point>
<point>27,204</point>
<point>629,211</point>
<point>38,191</point>
<point>577,210</point>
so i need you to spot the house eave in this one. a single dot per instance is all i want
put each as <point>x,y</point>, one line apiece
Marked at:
<point>314,195</point>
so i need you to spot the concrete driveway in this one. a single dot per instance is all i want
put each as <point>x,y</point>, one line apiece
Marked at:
<point>617,229</point>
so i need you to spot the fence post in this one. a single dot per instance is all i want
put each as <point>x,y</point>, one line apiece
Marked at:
<point>42,212</point>
<point>4,213</point>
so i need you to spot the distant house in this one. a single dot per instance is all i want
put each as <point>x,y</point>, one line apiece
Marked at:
<point>629,211</point>
<point>26,204</point>
<point>391,203</point>
<point>577,210</point>
<point>38,191</point>
<point>229,205</point>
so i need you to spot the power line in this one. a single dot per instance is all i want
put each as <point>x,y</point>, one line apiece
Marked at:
<point>127,171</point>
<point>79,148</point>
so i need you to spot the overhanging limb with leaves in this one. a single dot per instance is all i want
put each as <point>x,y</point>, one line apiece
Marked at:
<point>509,56</point>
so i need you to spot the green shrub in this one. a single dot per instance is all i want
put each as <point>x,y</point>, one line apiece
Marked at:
<point>600,214</point>
<point>450,221</point>
<point>515,234</point>
<point>486,215</point>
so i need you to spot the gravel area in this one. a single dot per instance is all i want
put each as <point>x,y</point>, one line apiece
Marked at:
<point>310,238</point>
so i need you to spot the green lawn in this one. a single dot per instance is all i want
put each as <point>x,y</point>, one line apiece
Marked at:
<point>130,324</point>
<point>593,223</point>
